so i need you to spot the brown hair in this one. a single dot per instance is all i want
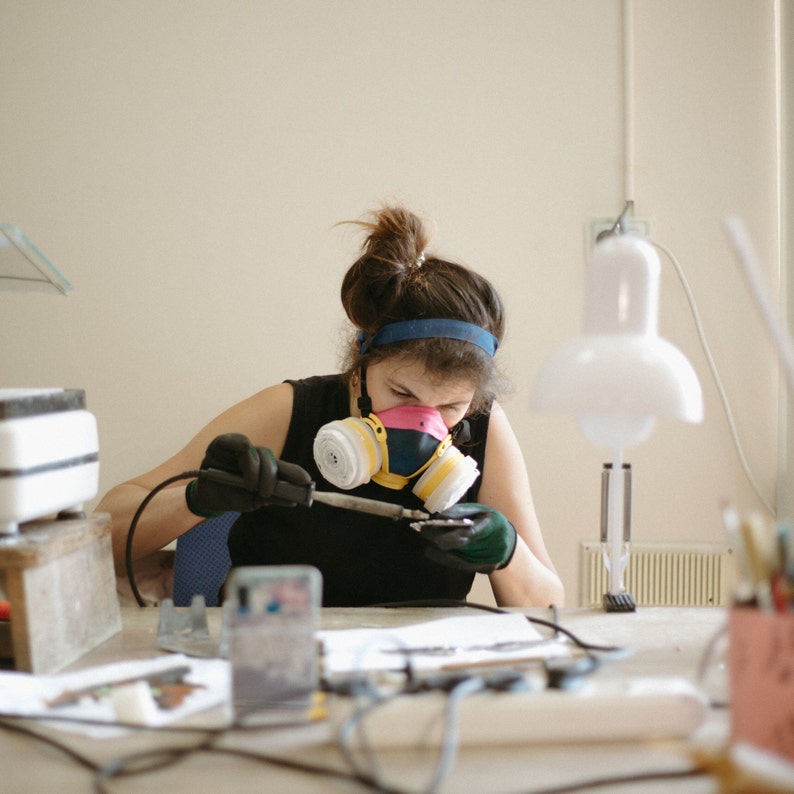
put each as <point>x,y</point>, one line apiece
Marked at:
<point>395,279</point>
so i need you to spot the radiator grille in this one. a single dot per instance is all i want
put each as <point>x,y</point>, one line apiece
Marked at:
<point>660,574</point>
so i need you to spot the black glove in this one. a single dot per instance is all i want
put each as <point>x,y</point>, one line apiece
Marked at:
<point>486,544</point>
<point>235,475</point>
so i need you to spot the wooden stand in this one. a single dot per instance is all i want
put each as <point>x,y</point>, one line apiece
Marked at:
<point>60,581</point>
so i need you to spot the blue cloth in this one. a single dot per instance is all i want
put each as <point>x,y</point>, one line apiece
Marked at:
<point>428,328</point>
<point>202,561</point>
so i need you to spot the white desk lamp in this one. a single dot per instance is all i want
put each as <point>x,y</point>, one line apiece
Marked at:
<point>619,376</point>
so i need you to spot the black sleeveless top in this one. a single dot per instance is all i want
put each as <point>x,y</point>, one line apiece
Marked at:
<point>364,559</point>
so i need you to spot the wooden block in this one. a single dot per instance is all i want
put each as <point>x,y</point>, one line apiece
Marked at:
<point>61,583</point>
<point>6,648</point>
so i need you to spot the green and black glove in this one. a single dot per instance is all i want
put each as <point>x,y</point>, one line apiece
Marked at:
<point>486,544</point>
<point>236,475</point>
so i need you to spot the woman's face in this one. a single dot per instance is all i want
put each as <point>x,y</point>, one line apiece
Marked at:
<point>404,381</point>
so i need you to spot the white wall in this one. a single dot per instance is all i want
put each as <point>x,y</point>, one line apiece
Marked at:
<point>184,164</point>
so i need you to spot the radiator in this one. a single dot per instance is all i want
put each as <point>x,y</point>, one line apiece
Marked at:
<point>662,574</point>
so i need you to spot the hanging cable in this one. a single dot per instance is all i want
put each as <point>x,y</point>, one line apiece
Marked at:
<point>628,101</point>
<point>187,475</point>
<point>714,374</point>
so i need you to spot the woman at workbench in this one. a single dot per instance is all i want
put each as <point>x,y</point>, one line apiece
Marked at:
<point>413,420</point>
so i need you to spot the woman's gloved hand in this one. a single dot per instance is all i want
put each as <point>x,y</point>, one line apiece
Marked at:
<point>486,544</point>
<point>235,475</point>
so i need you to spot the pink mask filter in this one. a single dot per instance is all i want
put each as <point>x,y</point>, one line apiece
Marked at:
<point>414,417</point>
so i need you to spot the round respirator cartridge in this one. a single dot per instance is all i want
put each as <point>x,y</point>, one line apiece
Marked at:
<point>347,453</point>
<point>446,480</point>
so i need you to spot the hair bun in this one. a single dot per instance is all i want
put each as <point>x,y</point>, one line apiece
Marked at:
<point>392,254</point>
<point>396,237</point>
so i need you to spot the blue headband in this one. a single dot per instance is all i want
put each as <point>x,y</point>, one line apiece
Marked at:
<point>428,329</point>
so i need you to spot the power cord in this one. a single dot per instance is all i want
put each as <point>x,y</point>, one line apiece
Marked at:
<point>559,676</point>
<point>551,624</point>
<point>20,728</point>
<point>707,661</point>
<point>457,690</point>
<point>714,373</point>
<point>621,780</point>
<point>158,758</point>
<point>145,762</point>
<point>153,760</point>
<point>187,475</point>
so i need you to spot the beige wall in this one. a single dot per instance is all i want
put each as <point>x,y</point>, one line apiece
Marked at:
<point>184,164</point>
<point>785,484</point>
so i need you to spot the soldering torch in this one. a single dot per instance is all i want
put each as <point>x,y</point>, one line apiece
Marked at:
<point>449,533</point>
<point>306,494</point>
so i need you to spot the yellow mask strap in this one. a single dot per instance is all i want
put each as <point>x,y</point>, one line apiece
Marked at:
<point>372,460</point>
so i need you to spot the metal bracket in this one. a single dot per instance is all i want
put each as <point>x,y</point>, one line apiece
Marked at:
<point>186,631</point>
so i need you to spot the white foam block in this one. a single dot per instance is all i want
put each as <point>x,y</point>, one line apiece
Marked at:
<point>631,709</point>
<point>48,463</point>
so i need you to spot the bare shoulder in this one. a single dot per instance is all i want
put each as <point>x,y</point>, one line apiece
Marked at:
<point>499,428</point>
<point>505,469</point>
<point>264,417</point>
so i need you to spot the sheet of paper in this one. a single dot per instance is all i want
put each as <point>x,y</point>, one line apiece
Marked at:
<point>23,694</point>
<point>438,644</point>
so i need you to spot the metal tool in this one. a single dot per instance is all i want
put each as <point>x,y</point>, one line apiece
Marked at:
<point>306,495</point>
<point>373,506</point>
<point>451,650</point>
<point>186,630</point>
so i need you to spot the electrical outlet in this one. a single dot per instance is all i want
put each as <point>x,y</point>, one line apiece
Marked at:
<point>596,226</point>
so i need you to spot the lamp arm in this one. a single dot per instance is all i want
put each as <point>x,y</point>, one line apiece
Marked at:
<point>616,520</point>
<point>615,531</point>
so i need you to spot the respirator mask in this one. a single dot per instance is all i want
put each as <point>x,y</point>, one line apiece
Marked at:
<point>394,446</point>
<point>391,448</point>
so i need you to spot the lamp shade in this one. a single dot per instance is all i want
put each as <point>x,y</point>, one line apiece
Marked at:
<point>619,375</point>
